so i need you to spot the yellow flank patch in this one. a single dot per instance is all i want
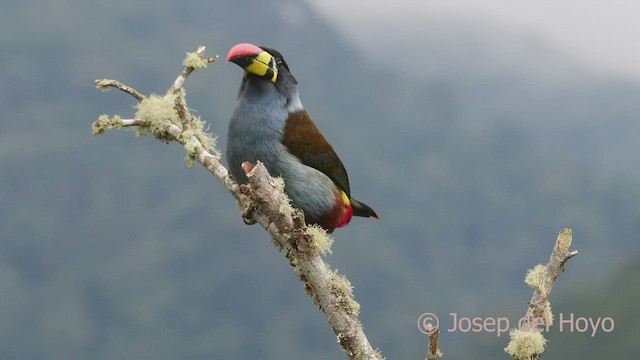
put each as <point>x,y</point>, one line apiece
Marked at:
<point>345,198</point>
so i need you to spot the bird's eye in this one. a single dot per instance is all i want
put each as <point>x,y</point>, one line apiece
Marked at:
<point>278,63</point>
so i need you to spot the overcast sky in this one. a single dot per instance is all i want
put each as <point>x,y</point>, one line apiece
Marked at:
<point>604,34</point>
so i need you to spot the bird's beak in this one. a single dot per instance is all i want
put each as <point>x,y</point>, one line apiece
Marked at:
<point>254,60</point>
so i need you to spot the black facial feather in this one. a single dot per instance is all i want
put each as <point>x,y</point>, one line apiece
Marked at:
<point>277,56</point>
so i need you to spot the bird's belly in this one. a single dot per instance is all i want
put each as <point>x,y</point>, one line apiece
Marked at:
<point>308,188</point>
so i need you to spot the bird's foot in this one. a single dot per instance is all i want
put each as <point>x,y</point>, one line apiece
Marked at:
<point>247,214</point>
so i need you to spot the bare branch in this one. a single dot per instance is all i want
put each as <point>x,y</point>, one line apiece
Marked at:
<point>434,334</point>
<point>106,84</point>
<point>553,269</point>
<point>330,291</point>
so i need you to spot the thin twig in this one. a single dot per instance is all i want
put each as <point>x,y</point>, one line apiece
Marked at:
<point>554,268</point>
<point>179,82</point>
<point>105,84</point>
<point>434,334</point>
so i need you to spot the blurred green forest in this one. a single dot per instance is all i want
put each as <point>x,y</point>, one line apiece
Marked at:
<point>111,247</point>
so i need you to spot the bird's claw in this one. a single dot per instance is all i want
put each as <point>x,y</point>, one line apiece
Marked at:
<point>247,214</point>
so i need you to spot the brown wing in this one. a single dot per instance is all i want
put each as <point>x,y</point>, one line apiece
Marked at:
<point>305,141</point>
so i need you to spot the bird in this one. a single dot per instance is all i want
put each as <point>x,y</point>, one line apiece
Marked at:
<point>270,124</point>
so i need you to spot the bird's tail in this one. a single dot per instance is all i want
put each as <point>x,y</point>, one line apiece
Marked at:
<point>363,210</point>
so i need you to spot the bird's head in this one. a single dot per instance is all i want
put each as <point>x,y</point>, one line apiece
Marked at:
<point>259,61</point>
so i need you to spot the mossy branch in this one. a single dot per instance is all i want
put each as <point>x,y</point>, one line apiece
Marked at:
<point>168,118</point>
<point>528,343</point>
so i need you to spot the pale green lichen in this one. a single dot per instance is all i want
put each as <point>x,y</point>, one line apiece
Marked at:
<point>285,206</point>
<point>155,111</point>
<point>320,240</point>
<point>293,261</point>
<point>342,289</point>
<point>537,279</point>
<point>105,123</point>
<point>189,160</point>
<point>278,183</point>
<point>193,60</point>
<point>191,146</point>
<point>547,315</point>
<point>525,345</point>
<point>207,139</point>
<point>276,243</point>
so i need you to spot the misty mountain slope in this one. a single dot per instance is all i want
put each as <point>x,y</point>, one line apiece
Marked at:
<point>498,72</point>
<point>112,247</point>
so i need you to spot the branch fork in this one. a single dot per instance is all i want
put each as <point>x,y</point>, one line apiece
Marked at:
<point>169,119</point>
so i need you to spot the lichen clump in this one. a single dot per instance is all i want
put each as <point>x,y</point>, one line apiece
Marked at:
<point>342,289</point>
<point>155,111</point>
<point>537,279</point>
<point>547,314</point>
<point>207,139</point>
<point>278,183</point>
<point>195,61</point>
<point>285,208</point>
<point>525,345</point>
<point>105,123</point>
<point>320,240</point>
